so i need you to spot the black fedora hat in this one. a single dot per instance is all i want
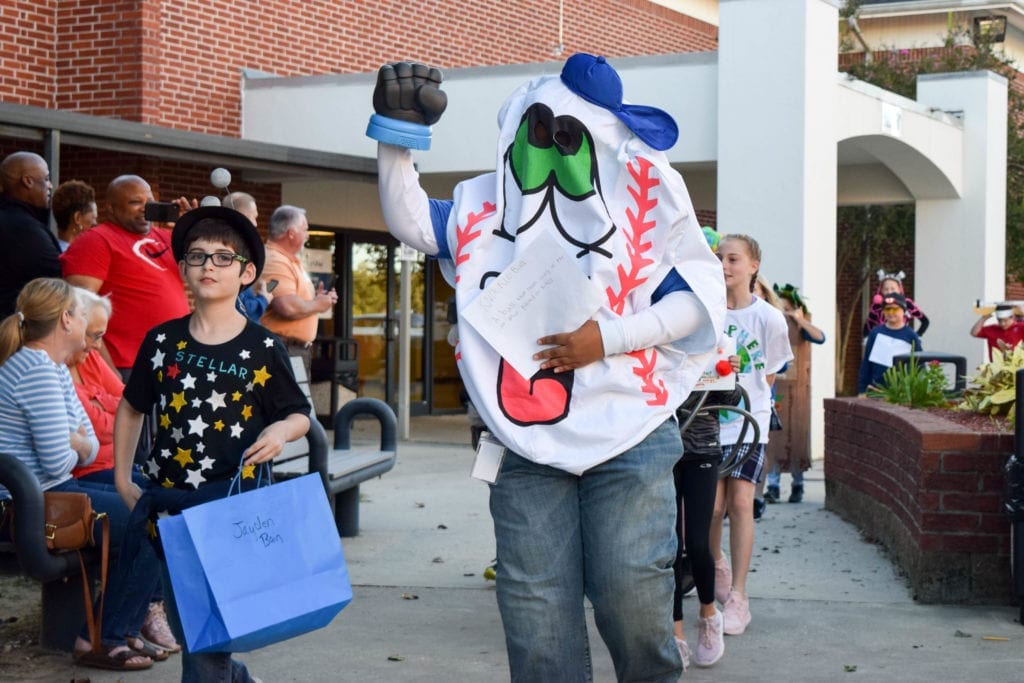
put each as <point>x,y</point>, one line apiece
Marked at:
<point>239,223</point>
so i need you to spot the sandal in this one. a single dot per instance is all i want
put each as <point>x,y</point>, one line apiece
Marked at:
<point>117,659</point>
<point>147,648</point>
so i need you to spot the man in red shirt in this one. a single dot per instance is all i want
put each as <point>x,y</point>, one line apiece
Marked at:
<point>1007,329</point>
<point>129,259</point>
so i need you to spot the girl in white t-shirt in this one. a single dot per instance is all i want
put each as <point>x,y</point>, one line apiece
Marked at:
<point>762,344</point>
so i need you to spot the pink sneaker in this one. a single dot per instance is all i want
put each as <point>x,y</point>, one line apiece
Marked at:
<point>684,652</point>
<point>157,630</point>
<point>736,614</point>
<point>723,579</point>
<point>710,642</point>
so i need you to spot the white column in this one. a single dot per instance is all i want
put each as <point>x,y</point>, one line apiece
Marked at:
<point>777,154</point>
<point>960,244</point>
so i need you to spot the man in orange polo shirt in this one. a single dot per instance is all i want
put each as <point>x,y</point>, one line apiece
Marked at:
<point>293,314</point>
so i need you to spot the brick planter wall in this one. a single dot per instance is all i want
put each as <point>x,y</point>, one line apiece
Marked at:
<point>928,490</point>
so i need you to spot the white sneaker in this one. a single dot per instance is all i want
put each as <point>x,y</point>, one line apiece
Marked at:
<point>723,579</point>
<point>684,652</point>
<point>736,614</point>
<point>710,641</point>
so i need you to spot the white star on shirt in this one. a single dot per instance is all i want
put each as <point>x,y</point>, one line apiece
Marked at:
<point>197,426</point>
<point>268,342</point>
<point>197,402</point>
<point>236,430</point>
<point>188,381</point>
<point>211,376</point>
<point>207,463</point>
<point>160,338</point>
<point>244,354</point>
<point>200,447</point>
<point>158,359</point>
<point>163,401</point>
<point>176,434</point>
<point>216,400</point>
<point>249,387</point>
<point>153,468</point>
<point>195,477</point>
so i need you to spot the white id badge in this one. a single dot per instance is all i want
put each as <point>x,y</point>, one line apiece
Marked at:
<point>489,455</point>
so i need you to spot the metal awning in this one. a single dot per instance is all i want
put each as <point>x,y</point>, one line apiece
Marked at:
<point>255,161</point>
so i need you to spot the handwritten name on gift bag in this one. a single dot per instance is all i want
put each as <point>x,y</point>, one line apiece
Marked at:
<point>256,568</point>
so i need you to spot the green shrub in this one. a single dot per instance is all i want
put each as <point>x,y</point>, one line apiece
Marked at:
<point>912,384</point>
<point>993,391</point>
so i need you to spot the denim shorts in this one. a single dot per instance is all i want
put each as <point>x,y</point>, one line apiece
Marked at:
<point>753,468</point>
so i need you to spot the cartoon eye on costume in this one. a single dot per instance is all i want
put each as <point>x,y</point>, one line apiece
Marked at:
<point>552,150</point>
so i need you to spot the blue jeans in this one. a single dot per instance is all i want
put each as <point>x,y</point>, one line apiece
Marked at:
<point>775,477</point>
<point>608,535</point>
<point>206,667</point>
<point>129,588</point>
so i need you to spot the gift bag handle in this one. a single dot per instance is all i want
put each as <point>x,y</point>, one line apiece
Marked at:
<point>236,481</point>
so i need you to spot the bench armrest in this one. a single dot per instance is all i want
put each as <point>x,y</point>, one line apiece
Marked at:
<point>316,438</point>
<point>366,406</point>
<point>29,543</point>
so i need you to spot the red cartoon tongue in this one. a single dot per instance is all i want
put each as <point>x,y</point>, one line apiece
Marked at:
<point>542,399</point>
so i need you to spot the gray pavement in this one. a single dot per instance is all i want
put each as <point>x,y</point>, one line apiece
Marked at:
<point>826,604</point>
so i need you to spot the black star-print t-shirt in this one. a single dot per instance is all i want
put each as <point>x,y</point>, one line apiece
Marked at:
<point>211,401</point>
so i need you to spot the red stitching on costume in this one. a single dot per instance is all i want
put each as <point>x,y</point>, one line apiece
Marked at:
<point>463,236</point>
<point>645,371</point>
<point>635,244</point>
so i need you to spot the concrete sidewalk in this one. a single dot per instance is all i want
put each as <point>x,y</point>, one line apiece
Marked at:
<point>826,604</point>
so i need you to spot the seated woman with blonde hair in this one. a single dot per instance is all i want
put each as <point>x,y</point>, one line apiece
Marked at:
<point>43,424</point>
<point>99,388</point>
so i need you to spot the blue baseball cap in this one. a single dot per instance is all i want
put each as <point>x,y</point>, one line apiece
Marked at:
<point>594,79</point>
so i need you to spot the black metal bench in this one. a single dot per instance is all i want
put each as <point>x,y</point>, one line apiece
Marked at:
<point>341,469</point>
<point>62,611</point>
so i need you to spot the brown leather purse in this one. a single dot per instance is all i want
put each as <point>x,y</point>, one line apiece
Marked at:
<point>69,520</point>
<point>69,525</point>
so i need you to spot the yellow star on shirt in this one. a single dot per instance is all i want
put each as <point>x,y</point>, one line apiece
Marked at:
<point>160,376</point>
<point>237,396</point>
<point>219,425</point>
<point>178,401</point>
<point>165,420</point>
<point>182,344</point>
<point>167,483</point>
<point>247,412</point>
<point>184,456</point>
<point>248,471</point>
<point>150,528</point>
<point>261,376</point>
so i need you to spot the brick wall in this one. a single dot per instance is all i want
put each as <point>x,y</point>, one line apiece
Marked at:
<point>27,55</point>
<point>927,489</point>
<point>177,63</point>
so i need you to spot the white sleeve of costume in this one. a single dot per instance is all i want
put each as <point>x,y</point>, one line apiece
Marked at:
<point>676,315</point>
<point>405,205</point>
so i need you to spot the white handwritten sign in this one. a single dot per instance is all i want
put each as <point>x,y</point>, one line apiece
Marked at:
<point>542,292</point>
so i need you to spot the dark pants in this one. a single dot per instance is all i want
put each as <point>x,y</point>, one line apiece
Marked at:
<point>696,484</point>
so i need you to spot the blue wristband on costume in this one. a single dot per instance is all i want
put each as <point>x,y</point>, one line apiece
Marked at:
<point>398,133</point>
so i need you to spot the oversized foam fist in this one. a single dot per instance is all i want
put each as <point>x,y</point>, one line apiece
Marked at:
<point>409,92</point>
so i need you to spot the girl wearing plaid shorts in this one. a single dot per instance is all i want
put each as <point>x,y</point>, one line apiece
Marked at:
<point>762,344</point>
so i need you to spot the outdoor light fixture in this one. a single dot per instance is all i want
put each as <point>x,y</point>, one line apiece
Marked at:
<point>992,28</point>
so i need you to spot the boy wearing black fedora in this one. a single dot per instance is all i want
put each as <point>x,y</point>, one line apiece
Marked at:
<point>223,390</point>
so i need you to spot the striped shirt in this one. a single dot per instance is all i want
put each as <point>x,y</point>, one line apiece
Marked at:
<point>38,411</point>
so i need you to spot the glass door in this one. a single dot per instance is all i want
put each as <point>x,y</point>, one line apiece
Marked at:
<point>373,302</point>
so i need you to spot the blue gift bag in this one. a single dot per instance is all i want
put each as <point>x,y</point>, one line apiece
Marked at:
<point>256,568</point>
